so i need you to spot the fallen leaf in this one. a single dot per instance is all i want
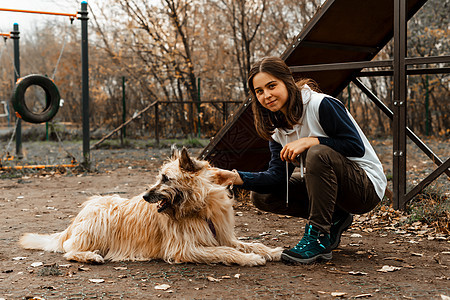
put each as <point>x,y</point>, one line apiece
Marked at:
<point>162,287</point>
<point>362,296</point>
<point>84,269</point>
<point>120,268</point>
<point>338,294</point>
<point>37,264</point>
<point>444,297</point>
<point>237,276</point>
<point>65,266</point>
<point>386,268</point>
<point>417,254</point>
<point>393,258</point>
<point>48,287</point>
<point>226,277</point>
<point>437,258</point>
<point>96,280</point>
<point>212,279</point>
<point>19,258</point>
<point>356,235</point>
<point>357,273</point>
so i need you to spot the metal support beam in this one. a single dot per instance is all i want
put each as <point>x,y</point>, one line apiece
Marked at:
<point>434,158</point>
<point>399,105</point>
<point>15,36</point>
<point>370,64</point>
<point>341,66</point>
<point>85,82</point>
<point>429,179</point>
<point>420,71</point>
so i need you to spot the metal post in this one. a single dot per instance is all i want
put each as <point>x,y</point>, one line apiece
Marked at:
<point>85,82</point>
<point>427,108</point>
<point>15,35</point>
<point>156,124</point>
<point>399,105</point>
<point>124,108</point>
<point>198,108</point>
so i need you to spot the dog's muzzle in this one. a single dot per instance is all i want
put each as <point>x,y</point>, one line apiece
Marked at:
<point>163,202</point>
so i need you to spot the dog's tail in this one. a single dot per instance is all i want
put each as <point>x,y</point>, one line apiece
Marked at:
<point>47,242</point>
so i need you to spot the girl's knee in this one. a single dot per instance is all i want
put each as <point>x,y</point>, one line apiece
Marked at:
<point>319,154</point>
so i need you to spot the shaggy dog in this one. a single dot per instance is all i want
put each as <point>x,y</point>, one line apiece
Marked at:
<point>184,217</point>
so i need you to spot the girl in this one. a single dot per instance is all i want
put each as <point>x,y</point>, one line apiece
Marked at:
<point>338,175</point>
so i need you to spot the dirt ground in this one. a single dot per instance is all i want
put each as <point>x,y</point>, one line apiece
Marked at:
<point>377,258</point>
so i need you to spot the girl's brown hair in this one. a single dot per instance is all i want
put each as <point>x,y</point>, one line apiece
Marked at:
<point>265,120</point>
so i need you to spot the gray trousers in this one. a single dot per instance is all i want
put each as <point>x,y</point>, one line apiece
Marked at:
<point>332,186</point>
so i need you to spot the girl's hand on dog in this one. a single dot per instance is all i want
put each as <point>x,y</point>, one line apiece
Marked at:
<point>226,177</point>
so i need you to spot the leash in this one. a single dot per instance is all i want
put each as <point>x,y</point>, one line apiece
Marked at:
<point>302,170</point>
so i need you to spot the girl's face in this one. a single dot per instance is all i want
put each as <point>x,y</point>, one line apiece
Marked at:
<point>271,92</point>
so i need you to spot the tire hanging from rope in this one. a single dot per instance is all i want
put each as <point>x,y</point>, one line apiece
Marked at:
<point>52,98</point>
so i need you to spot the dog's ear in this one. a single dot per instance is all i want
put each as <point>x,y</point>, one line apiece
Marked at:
<point>186,163</point>
<point>174,152</point>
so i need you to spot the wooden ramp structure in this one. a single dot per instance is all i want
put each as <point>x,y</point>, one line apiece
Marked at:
<point>334,48</point>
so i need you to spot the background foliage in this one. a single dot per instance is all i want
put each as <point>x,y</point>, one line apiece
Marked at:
<point>201,50</point>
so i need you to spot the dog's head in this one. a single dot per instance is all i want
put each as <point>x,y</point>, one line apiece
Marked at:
<point>180,187</point>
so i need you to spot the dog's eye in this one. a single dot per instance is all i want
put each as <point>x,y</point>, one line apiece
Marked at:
<point>164,178</point>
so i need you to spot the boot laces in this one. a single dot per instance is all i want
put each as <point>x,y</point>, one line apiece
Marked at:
<point>310,237</point>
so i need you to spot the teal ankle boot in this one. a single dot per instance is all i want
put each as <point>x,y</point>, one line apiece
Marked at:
<point>313,246</point>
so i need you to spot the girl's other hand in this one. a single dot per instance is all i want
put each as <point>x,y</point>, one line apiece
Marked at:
<point>292,149</point>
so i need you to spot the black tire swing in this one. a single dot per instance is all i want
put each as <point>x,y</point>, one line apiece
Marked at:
<point>52,98</point>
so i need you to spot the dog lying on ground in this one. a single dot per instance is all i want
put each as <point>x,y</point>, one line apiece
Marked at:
<point>184,217</point>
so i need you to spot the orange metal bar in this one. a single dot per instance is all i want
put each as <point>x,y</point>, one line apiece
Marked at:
<point>38,167</point>
<point>8,35</point>
<point>39,12</point>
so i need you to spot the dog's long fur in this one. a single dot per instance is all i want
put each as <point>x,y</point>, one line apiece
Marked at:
<point>185,217</point>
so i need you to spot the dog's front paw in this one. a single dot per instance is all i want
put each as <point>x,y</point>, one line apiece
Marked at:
<point>275,254</point>
<point>253,259</point>
<point>91,257</point>
<point>96,259</point>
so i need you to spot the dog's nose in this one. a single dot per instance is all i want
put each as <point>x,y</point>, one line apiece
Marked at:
<point>146,197</point>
